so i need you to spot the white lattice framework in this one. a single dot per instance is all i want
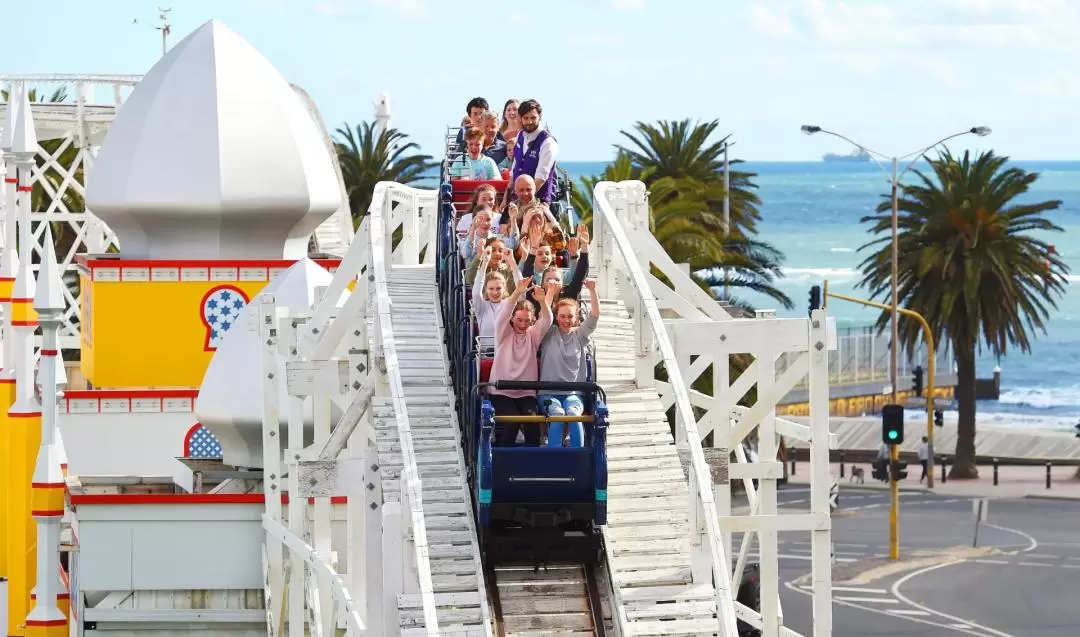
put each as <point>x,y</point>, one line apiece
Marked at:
<point>389,554</point>
<point>77,124</point>
<point>679,326</point>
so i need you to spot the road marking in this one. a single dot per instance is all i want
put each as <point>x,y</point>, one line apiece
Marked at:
<point>1069,565</point>
<point>867,600</point>
<point>910,611</point>
<point>1032,543</point>
<point>991,561</point>
<point>892,613</point>
<point>1034,564</point>
<point>1039,556</point>
<point>962,624</point>
<point>853,589</point>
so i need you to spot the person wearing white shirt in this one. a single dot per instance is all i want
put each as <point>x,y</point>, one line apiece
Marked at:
<point>535,151</point>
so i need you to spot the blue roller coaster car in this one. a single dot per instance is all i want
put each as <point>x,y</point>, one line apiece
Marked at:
<point>542,504</point>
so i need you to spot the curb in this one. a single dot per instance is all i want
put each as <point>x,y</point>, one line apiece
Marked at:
<point>1065,498</point>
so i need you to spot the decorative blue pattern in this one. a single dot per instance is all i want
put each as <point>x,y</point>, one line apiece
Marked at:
<point>203,444</point>
<point>220,311</point>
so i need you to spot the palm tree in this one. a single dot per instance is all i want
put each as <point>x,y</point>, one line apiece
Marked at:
<point>969,263</point>
<point>367,158</point>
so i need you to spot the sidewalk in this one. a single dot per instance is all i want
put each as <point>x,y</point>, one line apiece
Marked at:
<point>1013,481</point>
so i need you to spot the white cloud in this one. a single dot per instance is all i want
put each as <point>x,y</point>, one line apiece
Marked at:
<point>407,9</point>
<point>628,5</point>
<point>773,24</point>
<point>517,18</point>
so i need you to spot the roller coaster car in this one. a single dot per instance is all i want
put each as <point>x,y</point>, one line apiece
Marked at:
<point>543,504</point>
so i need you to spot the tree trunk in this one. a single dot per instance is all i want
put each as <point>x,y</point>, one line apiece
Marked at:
<point>964,462</point>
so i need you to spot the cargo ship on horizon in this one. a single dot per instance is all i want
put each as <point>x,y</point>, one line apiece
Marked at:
<point>856,155</point>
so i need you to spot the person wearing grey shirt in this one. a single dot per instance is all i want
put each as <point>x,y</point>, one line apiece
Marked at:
<point>562,359</point>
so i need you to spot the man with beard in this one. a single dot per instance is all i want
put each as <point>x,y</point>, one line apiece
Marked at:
<point>535,151</point>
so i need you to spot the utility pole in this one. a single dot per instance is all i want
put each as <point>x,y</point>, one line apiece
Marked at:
<point>165,28</point>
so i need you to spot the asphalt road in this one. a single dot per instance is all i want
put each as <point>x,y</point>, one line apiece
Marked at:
<point>1025,587</point>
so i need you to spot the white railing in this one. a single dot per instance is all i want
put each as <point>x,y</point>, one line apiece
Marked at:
<point>679,324</point>
<point>699,475</point>
<point>381,255</point>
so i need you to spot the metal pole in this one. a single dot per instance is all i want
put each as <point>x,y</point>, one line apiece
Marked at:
<point>894,487</point>
<point>894,349</point>
<point>727,211</point>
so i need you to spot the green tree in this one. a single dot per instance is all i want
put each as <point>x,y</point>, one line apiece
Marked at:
<point>367,158</point>
<point>970,262</point>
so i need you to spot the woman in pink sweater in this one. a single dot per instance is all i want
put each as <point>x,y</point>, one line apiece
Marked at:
<point>518,334</point>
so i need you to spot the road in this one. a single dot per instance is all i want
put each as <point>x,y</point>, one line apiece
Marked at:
<point>1025,587</point>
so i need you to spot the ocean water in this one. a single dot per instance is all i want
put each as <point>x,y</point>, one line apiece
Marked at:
<point>811,211</point>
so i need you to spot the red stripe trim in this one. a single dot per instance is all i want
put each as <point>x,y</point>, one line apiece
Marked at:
<point>24,414</point>
<point>131,393</point>
<point>183,498</point>
<point>58,595</point>
<point>47,485</point>
<point>7,278</point>
<point>21,300</point>
<point>25,188</point>
<point>24,323</point>
<point>11,180</point>
<point>196,263</point>
<point>5,381</point>
<point>5,299</point>
<point>49,352</point>
<point>52,513</point>
<point>47,622</point>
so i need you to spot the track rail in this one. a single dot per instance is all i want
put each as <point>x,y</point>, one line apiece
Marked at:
<point>563,599</point>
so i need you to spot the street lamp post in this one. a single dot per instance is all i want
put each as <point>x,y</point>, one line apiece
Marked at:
<point>727,210</point>
<point>894,181</point>
<point>895,176</point>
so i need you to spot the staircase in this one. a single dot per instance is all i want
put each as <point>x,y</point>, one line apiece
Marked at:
<point>456,569</point>
<point>647,532</point>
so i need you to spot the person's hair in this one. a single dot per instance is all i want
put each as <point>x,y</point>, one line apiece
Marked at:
<point>489,115</point>
<point>529,106</point>
<point>550,268</point>
<point>502,127</point>
<point>476,195</point>
<point>476,102</point>
<point>474,133</point>
<point>566,302</point>
<point>524,305</point>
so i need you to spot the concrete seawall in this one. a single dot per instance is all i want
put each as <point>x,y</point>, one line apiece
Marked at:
<point>858,439</point>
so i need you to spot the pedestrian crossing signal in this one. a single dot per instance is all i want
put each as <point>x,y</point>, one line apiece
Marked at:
<point>898,470</point>
<point>892,424</point>
<point>939,420</point>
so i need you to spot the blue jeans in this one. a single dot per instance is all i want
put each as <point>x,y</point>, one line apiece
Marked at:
<point>563,405</point>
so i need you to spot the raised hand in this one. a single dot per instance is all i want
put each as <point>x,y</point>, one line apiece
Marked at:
<point>583,234</point>
<point>552,289</point>
<point>590,285</point>
<point>572,246</point>
<point>522,285</point>
<point>486,254</point>
<point>538,294</point>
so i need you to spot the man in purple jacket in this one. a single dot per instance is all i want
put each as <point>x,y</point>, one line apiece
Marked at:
<point>535,151</point>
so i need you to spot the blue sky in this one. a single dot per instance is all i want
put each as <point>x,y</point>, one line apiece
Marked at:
<point>894,75</point>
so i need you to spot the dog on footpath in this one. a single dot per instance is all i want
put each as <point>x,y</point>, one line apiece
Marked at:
<point>857,475</point>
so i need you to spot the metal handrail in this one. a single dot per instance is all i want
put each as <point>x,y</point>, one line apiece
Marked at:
<point>701,477</point>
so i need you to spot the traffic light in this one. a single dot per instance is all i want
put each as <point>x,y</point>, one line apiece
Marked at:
<point>898,470</point>
<point>880,470</point>
<point>939,420</point>
<point>916,380</point>
<point>892,424</point>
<point>1076,427</point>
<point>815,298</point>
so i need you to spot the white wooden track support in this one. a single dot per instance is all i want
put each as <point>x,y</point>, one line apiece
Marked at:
<point>647,531</point>
<point>456,569</point>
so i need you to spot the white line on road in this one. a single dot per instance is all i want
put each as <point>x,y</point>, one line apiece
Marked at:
<point>1069,565</point>
<point>1032,543</point>
<point>910,611</point>
<point>1040,556</point>
<point>867,600</point>
<point>991,561</point>
<point>853,589</point>
<point>1034,564</point>
<point>962,624</point>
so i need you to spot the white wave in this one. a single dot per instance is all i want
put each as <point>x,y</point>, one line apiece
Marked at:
<point>1042,397</point>
<point>841,249</point>
<point>799,275</point>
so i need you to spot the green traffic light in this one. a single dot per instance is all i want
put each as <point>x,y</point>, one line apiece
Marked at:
<point>893,435</point>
